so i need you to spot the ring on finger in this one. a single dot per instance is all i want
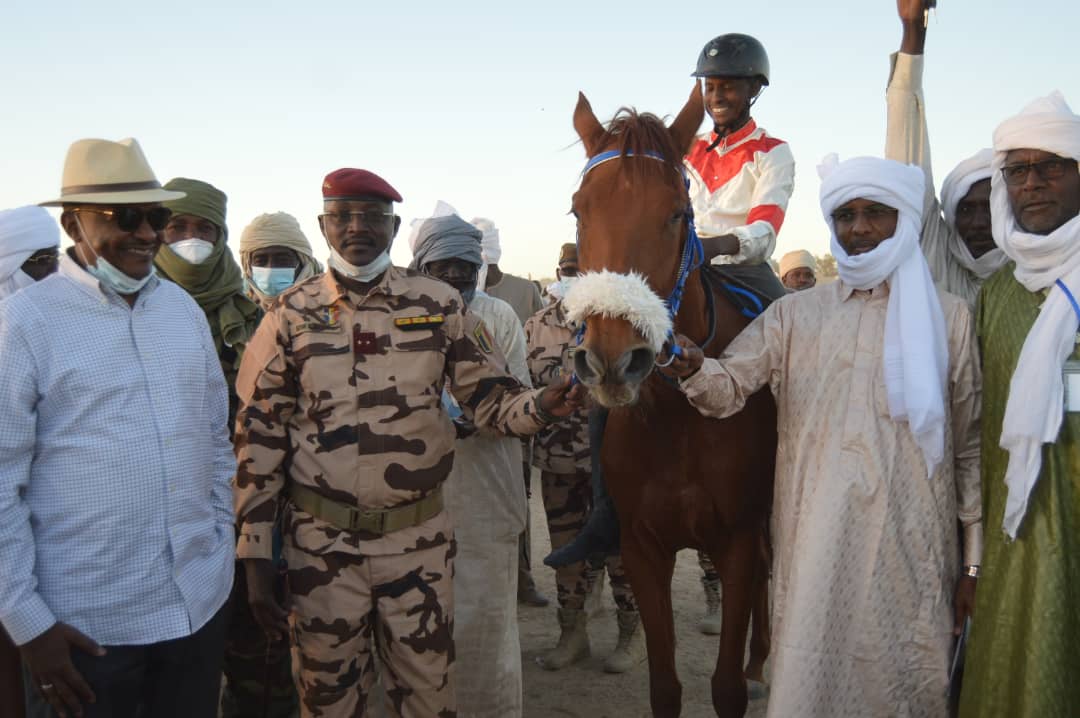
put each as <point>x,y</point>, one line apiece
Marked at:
<point>46,686</point>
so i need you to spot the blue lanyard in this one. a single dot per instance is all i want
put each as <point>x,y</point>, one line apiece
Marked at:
<point>1072,299</point>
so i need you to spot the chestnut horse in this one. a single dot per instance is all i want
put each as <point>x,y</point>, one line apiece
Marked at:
<point>679,480</point>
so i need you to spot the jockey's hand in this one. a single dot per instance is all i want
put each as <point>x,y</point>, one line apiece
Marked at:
<point>687,363</point>
<point>913,19</point>
<point>715,246</point>
<point>48,659</point>
<point>964,601</point>
<point>269,614</point>
<point>562,398</point>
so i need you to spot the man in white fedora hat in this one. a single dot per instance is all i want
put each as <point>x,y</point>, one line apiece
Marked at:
<point>116,529</point>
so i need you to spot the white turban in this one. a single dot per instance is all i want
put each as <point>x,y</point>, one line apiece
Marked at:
<point>1035,407</point>
<point>916,357</point>
<point>955,187</point>
<point>23,231</point>
<point>279,229</point>
<point>489,247</point>
<point>796,259</point>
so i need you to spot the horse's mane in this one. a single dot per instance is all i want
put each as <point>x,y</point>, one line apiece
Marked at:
<point>638,133</point>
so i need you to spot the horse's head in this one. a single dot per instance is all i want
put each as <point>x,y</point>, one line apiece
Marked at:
<point>632,210</point>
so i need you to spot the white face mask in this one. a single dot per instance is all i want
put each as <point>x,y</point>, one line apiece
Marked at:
<point>365,273</point>
<point>105,272</point>
<point>192,250</point>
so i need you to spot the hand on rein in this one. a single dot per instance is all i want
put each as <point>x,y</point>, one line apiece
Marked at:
<point>684,358</point>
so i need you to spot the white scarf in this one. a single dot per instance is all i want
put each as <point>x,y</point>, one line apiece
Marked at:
<point>1035,407</point>
<point>916,354</point>
<point>23,231</point>
<point>490,247</point>
<point>955,187</point>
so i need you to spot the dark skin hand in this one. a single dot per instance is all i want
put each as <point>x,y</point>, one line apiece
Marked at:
<point>964,601</point>
<point>687,363</point>
<point>911,14</point>
<point>48,658</point>
<point>724,244</point>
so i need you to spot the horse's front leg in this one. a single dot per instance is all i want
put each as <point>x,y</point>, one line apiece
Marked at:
<point>738,564</point>
<point>649,568</point>
<point>760,623</point>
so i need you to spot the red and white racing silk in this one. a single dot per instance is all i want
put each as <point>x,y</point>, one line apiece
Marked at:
<point>741,187</point>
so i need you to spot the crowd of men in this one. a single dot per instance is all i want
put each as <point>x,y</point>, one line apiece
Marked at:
<point>311,481</point>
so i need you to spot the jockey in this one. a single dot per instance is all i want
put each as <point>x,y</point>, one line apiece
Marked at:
<point>741,178</point>
<point>740,182</point>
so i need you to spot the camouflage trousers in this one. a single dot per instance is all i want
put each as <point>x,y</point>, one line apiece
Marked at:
<point>347,607</point>
<point>258,678</point>
<point>567,500</point>
<point>708,571</point>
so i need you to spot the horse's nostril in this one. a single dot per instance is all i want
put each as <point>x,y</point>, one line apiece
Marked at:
<point>581,366</point>
<point>641,363</point>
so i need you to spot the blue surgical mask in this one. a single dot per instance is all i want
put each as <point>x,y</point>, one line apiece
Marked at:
<point>109,275</point>
<point>272,281</point>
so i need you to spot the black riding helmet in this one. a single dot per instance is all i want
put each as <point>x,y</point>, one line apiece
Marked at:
<point>733,55</point>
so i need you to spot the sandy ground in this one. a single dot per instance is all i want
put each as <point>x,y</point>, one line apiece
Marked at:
<point>584,690</point>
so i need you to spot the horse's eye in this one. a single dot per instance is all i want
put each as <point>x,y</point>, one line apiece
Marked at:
<point>678,216</point>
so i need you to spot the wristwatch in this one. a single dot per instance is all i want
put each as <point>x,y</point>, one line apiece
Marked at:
<point>972,571</point>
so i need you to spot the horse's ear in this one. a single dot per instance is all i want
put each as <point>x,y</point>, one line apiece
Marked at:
<point>685,127</point>
<point>587,126</point>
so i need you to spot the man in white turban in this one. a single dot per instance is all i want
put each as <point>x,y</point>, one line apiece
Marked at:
<point>876,382</point>
<point>959,247</point>
<point>275,255</point>
<point>29,247</point>
<point>1024,659</point>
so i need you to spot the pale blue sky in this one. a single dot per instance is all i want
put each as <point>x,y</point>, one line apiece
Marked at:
<point>471,102</point>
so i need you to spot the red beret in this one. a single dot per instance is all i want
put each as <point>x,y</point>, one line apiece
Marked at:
<point>348,183</point>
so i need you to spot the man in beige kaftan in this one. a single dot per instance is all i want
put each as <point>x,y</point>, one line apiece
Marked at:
<point>866,503</point>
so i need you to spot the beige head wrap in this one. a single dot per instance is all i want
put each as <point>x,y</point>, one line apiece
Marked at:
<point>796,259</point>
<point>276,230</point>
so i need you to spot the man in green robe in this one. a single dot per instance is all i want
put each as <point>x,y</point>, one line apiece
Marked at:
<point>196,255</point>
<point>1024,655</point>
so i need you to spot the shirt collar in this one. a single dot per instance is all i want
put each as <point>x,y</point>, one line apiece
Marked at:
<point>737,136</point>
<point>846,290</point>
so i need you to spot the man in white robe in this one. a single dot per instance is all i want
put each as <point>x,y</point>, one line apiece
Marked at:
<point>484,496</point>
<point>29,247</point>
<point>877,384</point>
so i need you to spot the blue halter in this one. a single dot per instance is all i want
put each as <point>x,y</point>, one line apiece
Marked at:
<point>693,254</point>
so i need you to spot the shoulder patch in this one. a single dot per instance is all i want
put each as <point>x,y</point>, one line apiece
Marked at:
<point>483,338</point>
<point>425,322</point>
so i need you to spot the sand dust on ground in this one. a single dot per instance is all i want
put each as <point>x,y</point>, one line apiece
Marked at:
<point>584,690</point>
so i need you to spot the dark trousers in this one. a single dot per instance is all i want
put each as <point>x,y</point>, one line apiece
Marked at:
<point>11,681</point>
<point>179,678</point>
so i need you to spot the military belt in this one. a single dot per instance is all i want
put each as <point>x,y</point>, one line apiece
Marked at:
<point>373,521</point>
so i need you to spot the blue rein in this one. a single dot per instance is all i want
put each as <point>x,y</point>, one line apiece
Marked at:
<point>693,254</point>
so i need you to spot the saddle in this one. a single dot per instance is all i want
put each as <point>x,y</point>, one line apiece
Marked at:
<point>748,288</point>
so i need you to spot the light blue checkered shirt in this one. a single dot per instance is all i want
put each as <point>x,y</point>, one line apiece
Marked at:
<point>115,503</point>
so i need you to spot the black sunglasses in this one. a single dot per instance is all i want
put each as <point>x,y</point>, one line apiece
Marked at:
<point>129,219</point>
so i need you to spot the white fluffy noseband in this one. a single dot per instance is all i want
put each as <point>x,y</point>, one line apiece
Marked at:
<point>620,296</point>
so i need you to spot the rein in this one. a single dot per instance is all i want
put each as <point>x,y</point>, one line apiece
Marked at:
<point>693,256</point>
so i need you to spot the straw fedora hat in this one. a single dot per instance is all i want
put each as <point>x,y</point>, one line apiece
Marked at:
<point>104,172</point>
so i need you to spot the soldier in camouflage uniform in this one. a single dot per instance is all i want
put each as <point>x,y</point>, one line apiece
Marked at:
<point>561,452</point>
<point>342,433</point>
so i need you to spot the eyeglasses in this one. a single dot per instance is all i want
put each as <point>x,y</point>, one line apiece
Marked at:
<point>876,214</point>
<point>46,259</point>
<point>370,217</point>
<point>129,219</point>
<point>1048,169</point>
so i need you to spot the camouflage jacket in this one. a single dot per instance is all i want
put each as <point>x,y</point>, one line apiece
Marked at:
<point>341,393</point>
<point>562,448</point>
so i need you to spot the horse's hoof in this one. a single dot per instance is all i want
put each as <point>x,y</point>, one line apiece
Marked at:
<point>756,690</point>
